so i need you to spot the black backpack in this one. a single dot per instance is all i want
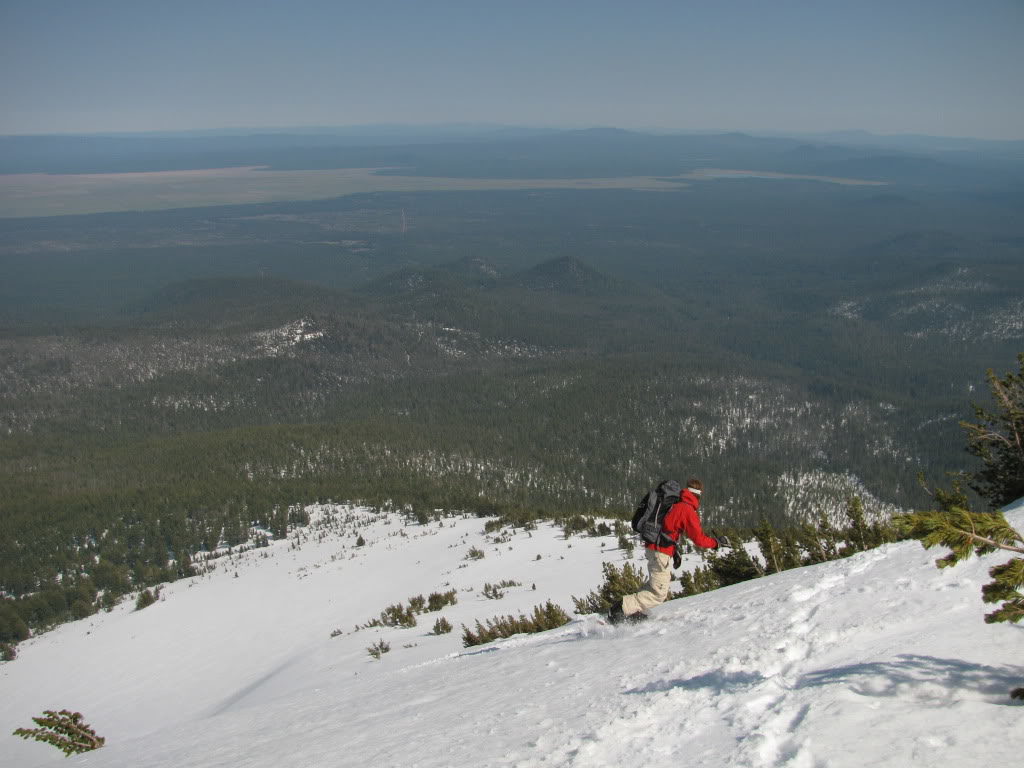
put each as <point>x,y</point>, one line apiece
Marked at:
<point>650,513</point>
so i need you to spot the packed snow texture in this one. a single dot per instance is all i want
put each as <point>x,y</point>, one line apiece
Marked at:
<point>879,659</point>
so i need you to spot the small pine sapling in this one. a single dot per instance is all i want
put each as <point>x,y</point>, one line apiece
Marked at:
<point>378,649</point>
<point>625,544</point>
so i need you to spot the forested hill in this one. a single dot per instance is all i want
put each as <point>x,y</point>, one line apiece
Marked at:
<point>554,390</point>
<point>170,378</point>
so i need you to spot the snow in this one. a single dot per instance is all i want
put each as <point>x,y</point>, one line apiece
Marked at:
<point>880,659</point>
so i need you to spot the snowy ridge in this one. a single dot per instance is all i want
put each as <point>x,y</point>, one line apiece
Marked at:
<point>879,659</point>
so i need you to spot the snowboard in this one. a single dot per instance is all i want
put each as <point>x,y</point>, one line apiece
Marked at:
<point>635,618</point>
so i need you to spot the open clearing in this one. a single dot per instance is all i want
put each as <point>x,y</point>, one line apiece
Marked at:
<point>38,194</point>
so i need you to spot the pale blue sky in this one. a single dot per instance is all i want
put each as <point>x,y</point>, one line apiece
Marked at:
<point>944,67</point>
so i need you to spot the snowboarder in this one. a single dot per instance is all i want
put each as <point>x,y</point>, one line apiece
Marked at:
<point>681,518</point>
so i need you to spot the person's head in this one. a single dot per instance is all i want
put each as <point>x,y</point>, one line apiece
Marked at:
<point>695,485</point>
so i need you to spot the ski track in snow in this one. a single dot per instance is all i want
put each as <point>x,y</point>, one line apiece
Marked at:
<point>880,659</point>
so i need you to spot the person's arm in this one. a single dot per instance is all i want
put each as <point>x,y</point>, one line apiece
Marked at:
<point>691,526</point>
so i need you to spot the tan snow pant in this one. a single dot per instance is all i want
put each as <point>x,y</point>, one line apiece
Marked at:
<point>659,566</point>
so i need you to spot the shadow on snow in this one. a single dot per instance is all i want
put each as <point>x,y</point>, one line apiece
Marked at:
<point>909,674</point>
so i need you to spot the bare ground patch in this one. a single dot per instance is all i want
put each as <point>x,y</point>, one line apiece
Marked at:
<point>36,194</point>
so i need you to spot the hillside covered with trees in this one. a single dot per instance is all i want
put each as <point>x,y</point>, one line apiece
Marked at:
<point>169,380</point>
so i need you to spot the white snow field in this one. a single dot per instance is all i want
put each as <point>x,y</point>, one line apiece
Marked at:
<point>880,659</point>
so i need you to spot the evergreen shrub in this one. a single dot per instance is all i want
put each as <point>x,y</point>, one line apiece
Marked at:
<point>544,617</point>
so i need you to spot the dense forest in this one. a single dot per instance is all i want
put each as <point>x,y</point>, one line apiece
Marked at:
<point>168,380</point>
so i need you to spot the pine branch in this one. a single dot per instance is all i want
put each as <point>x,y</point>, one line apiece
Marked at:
<point>65,730</point>
<point>962,531</point>
<point>997,544</point>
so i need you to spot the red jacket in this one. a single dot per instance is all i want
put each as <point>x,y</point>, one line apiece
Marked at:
<point>683,518</point>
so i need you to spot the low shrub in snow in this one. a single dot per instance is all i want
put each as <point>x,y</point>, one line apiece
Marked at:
<point>442,626</point>
<point>379,648</point>
<point>616,584</point>
<point>146,598</point>
<point>494,591</point>
<point>438,600</point>
<point>544,617</point>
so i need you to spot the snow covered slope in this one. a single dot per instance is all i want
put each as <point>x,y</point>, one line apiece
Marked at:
<point>879,659</point>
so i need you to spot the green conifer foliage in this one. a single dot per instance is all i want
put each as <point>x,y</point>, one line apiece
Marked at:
<point>735,565</point>
<point>616,584</point>
<point>858,535</point>
<point>828,536</point>
<point>790,551</point>
<point>998,440</point>
<point>955,526</point>
<point>686,585</point>
<point>705,580</point>
<point>438,600</point>
<point>544,617</point>
<point>442,626</point>
<point>65,730</point>
<point>378,649</point>
<point>811,540</point>
<point>146,598</point>
<point>771,546</point>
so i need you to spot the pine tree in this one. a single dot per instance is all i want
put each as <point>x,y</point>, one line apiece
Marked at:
<point>771,546</point>
<point>705,579</point>
<point>858,534</point>
<point>811,541</point>
<point>735,566</point>
<point>998,440</point>
<point>828,537</point>
<point>790,551</point>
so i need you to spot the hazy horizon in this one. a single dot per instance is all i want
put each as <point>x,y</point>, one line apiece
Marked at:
<point>477,128</point>
<point>942,68</point>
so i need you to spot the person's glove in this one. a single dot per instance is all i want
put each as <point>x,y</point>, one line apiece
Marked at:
<point>677,559</point>
<point>723,541</point>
